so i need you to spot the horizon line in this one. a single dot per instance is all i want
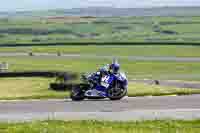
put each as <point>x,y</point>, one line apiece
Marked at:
<point>147,7</point>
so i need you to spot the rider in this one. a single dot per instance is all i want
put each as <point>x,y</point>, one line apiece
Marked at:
<point>95,78</point>
<point>105,70</point>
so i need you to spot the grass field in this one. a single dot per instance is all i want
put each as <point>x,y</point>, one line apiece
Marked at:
<point>28,88</point>
<point>121,29</point>
<point>153,50</point>
<point>38,88</point>
<point>134,69</point>
<point>158,126</point>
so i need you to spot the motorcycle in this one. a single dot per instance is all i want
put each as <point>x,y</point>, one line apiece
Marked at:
<point>110,86</point>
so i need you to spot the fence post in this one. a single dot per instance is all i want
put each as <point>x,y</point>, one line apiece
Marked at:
<point>4,67</point>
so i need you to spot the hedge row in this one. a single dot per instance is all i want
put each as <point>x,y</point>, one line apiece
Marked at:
<point>100,43</point>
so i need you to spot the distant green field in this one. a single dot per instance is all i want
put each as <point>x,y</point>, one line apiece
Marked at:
<point>153,50</point>
<point>91,126</point>
<point>121,29</point>
<point>184,28</point>
<point>134,69</point>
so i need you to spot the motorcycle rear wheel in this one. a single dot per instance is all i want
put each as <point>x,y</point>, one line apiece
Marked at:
<point>77,94</point>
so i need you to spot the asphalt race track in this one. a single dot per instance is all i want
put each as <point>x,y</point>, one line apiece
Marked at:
<point>141,108</point>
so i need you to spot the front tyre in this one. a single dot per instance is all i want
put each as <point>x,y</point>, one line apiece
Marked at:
<point>77,94</point>
<point>116,94</point>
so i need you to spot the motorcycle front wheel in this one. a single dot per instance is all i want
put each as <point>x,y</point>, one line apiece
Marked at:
<point>116,94</point>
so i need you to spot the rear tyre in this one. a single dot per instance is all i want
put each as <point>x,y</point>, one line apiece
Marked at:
<point>77,94</point>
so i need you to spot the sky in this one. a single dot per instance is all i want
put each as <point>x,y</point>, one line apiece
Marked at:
<point>22,5</point>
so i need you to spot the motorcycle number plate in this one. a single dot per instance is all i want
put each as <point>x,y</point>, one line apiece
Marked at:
<point>104,81</point>
<point>104,84</point>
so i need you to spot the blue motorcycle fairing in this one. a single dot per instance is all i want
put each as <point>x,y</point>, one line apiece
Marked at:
<point>106,82</point>
<point>108,79</point>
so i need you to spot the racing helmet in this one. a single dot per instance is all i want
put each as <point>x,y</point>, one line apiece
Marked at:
<point>114,68</point>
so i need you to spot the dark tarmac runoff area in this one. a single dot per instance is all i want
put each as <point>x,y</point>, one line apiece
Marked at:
<point>127,109</point>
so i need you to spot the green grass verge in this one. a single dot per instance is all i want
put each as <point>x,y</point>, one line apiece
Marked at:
<point>90,126</point>
<point>28,88</point>
<point>140,89</point>
<point>38,88</point>
<point>154,50</point>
